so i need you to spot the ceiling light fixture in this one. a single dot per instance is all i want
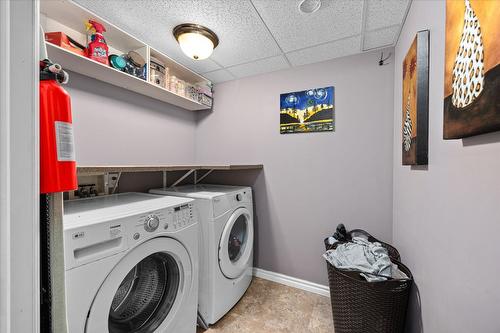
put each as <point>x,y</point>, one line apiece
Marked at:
<point>309,6</point>
<point>196,41</point>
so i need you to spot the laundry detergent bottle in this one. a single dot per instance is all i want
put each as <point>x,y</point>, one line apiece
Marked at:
<point>97,49</point>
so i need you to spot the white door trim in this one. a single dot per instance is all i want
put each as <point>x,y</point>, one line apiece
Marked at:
<point>19,167</point>
<point>5,312</point>
<point>286,280</point>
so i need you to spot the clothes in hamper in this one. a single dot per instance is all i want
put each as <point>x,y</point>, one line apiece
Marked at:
<point>371,259</point>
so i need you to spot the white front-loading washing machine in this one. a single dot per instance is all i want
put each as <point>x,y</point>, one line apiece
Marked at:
<point>226,244</point>
<point>131,264</point>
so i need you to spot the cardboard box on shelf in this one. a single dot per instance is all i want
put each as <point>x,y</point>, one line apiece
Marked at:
<point>61,39</point>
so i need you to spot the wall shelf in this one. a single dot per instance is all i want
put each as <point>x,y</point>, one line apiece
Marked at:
<point>69,17</point>
<point>102,169</point>
<point>76,63</point>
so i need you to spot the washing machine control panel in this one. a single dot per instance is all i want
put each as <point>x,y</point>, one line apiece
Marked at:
<point>166,220</point>
<point>182,216</point>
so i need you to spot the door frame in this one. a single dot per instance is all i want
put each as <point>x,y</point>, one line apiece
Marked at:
<point>19,167</point>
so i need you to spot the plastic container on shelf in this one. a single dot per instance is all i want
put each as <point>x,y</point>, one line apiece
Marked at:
<point>173,84</point>
<point>191,92</point>
<point>181,87</point>
<point>204,88</point>
<point>167,78</point>
<point>135,65</point>
<point>157,72</point>
<point>205,100</point>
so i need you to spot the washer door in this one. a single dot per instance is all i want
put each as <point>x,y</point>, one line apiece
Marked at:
<point>235,248</point>
<point>145,290</point>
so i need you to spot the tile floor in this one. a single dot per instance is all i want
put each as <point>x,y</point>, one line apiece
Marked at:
<point>271,307</point>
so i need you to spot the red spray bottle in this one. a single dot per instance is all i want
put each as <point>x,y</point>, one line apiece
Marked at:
<point>97,49</point>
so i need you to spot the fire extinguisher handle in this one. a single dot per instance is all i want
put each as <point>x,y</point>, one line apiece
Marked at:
<point>55,68</point>
<point>62,77</point>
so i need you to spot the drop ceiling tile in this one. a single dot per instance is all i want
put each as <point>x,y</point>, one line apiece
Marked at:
<point>259,67</point>
<point>243,36</point>
<point>199,66</point>
<point>325,52</point>
<point>380,38</point>
<point>384,13</point>
<point>219,76</point>
<point>295,30</point>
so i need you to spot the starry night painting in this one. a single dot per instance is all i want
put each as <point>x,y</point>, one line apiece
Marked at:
<point>309,110</point>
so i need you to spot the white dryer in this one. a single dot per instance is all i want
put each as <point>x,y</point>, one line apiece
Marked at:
<point>131,264</point>
<point>226,246</point>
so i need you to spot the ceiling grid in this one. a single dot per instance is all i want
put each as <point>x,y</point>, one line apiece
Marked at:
<point>263,22</point>
<point>363,22</point>
<point>260,36</point>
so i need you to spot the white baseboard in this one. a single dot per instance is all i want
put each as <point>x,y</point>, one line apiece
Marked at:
<point>292,282</point>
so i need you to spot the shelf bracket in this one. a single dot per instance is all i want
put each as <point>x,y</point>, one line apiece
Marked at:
<point>106,182</point>
<point>197,180</point>
<point>116,182</point>
<point>183,177</point>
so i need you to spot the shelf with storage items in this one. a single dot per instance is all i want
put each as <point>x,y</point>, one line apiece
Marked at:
<point>69,18</point>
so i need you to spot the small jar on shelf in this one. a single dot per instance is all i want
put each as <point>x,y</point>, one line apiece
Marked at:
<point>173,84</point>
<point>167,78</point>
<point>157,72</point>
<point>181,88</point>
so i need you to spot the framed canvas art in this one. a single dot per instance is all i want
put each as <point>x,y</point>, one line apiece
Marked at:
<point>415,102</point>
<point>309,110</point>
<point>472,71</point>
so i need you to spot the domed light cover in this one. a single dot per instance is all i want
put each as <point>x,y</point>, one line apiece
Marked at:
<point>309,6</point>
<point>196,41</point>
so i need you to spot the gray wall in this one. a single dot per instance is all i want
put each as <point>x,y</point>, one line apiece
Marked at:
<point>313,181</point>
<point>116,126</point>
<point>447,216</point>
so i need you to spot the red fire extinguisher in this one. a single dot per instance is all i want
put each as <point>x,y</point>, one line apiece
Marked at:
<point>57,150</point>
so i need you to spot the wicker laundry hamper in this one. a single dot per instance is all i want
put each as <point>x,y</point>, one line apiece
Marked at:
<point>359,306</point>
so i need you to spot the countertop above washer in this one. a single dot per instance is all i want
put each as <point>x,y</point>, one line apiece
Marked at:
<point>99,169</point>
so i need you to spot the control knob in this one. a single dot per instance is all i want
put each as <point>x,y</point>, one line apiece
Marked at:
<point>152,222</point>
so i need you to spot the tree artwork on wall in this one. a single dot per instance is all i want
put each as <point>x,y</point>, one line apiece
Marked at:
<point>415,124</point>
<point>309,110</point>
<point>472,71</point>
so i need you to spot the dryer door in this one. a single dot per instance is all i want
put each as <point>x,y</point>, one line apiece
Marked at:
<point>236,244</point>
<point>145,290</point>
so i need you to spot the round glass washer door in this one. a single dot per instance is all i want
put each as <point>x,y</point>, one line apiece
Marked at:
<point>144,291</point>
<point>235,248</point>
